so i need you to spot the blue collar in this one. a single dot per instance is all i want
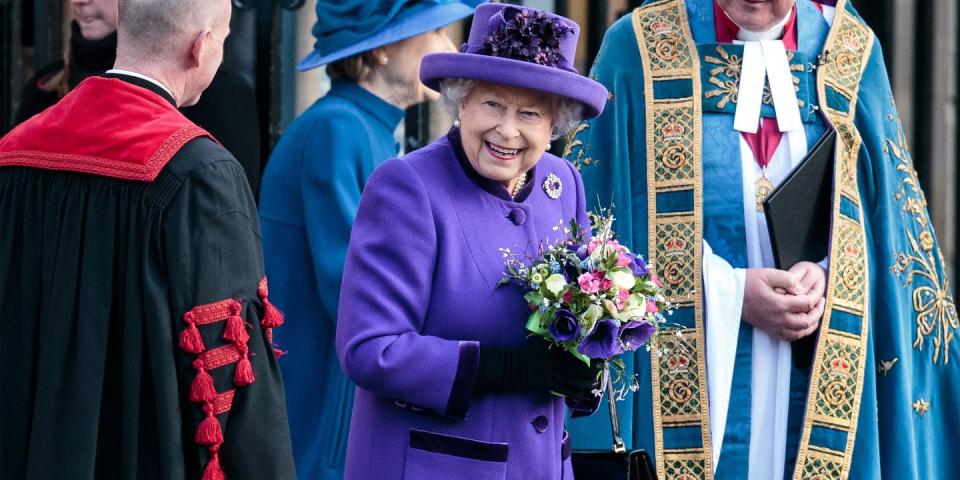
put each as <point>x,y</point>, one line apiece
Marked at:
<point>385,113</point>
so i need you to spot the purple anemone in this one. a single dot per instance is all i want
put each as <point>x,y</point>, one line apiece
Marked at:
<point>603,341</point>
<point>635,333</point>
<point>565,326</point>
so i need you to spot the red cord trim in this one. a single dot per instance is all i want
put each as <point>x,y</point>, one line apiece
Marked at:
<point>220,356</point>
<point>202,389</point>
<point>216,311</point>
<point>223,402</point>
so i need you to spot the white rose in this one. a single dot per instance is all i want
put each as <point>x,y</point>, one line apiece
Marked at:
<point>623,280</point>
<point>556,283</point>
<point>590,317</point>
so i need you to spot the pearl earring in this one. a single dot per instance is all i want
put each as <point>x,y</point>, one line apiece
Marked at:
<point>456,123</point>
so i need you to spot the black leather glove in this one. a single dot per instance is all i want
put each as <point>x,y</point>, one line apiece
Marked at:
<point>535,366</point>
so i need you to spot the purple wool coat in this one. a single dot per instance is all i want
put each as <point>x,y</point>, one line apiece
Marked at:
<point>420,296</point>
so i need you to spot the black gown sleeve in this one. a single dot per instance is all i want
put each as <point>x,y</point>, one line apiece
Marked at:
<point>230,385</point>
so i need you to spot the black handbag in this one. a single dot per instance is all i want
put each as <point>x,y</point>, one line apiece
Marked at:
<point>618,464</point>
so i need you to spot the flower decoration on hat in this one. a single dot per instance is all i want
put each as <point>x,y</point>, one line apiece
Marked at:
<point>519,47</point>
<point>527,35</point>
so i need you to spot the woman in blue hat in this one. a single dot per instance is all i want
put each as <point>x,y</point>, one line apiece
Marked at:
<point>448,384</point>
<point>311,189</point>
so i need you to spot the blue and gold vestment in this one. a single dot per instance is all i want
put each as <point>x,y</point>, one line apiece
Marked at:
<point>877,400</point>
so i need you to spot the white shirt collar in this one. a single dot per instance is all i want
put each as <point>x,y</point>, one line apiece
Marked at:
<point>144,77</point>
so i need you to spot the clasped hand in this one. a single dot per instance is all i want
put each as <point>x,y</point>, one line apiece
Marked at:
<point>786,304</point>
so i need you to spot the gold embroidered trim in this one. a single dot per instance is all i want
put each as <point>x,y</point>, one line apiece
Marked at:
<point>934,305</point>
<point>726,78</point>
<point>836,382</point>
<point>581,159</point>
<point>673,164</point>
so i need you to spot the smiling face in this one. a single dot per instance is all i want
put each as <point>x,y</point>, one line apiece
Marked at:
<point>96,18</point>
<point>505,130</point>
<point>756,15</point>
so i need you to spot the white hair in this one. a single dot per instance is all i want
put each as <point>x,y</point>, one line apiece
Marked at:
<point>566,112</point>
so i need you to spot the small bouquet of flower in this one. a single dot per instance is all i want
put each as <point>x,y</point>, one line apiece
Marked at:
<point>591,296</point>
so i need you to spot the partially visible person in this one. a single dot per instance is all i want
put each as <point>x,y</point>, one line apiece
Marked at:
<point>228,109</point>
<point>312,187</point>
<point>135,327</point>
<point>713,103</point>
<point>448,384</point>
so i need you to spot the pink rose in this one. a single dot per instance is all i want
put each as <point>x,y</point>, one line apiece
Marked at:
<point>652,306</point>
<point>621,299</point>
<point>594,244</point>
<point>623,260</point>
<point>589,283</point>
<point>616,246</point>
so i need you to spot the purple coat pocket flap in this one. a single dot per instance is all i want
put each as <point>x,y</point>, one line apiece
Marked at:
<point>441,457</point>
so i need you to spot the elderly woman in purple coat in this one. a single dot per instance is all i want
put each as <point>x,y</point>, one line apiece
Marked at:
<point>448,385</point>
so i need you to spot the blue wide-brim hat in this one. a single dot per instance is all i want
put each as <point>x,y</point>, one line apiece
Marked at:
<point>521,47</point>
<point>349,27</point>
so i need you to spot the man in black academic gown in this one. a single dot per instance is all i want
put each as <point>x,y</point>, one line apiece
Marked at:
<point>135,325</point>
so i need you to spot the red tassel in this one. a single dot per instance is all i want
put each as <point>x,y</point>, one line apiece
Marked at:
<point>209,432</point>
<point>243,375</point>
<point>277,353</point>
<point>213,470</point>
<point>190,340</point>
<point>202,390</point>
<point>236,331</point>
<point>272,318</point>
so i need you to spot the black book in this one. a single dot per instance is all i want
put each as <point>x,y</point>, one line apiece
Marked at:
<point>798,218</point>
<point>798,210</point>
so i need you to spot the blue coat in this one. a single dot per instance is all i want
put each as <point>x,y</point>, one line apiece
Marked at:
<point>311,189</point>
<point>419,297</point>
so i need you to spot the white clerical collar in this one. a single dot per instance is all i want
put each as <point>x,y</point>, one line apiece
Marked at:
<point>773,33</point>
<point>143,77</point>
<point>765,59</point>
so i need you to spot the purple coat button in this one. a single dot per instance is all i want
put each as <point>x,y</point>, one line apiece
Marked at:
<point>517,216</point>
<point>540,424</point>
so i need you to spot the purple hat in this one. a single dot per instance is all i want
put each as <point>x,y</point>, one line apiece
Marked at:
<point>521,47</point>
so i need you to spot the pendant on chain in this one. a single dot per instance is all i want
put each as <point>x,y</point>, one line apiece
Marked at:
<point>763,186</point>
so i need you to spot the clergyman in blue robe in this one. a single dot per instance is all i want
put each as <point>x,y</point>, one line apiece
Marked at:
<point>673,151</point>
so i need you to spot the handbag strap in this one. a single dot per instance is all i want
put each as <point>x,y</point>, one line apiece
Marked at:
<point>614,419</point>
